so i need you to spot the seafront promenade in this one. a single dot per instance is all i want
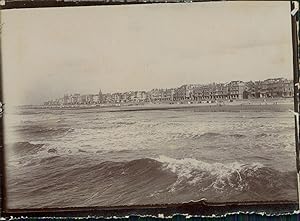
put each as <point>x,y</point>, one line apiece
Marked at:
<point>271,104</point>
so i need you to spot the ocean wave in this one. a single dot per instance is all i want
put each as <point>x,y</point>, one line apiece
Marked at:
<point>49,160</point>
<point>188,173</point>
<point>264,135</point>
<point>44,131</point>
<point>194,171</point>
<point>227,178</point>
<point>125,123</point>
<point>238,135</point>
<point>82,151</point>
<point>207,135</point>
<point>148,181</point>
<point>26,148</point>
<point>25,111</point>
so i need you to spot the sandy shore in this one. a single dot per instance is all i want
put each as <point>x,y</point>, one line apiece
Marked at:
<point>235,106</point>
<point>279,107</point>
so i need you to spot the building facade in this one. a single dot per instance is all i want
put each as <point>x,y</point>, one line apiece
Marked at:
<point>213,92</point>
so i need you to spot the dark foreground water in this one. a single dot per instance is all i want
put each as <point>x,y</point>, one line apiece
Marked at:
<point>60,158</point>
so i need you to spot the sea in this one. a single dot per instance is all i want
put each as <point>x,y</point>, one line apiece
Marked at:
<point>86,157</point>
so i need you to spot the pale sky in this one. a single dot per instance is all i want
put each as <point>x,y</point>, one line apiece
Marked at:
<point>52,51</point>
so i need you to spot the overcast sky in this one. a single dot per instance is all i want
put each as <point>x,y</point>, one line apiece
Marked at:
<point>50,52</point>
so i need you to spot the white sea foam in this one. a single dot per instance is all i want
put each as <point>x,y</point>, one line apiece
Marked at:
<point>194,171</point>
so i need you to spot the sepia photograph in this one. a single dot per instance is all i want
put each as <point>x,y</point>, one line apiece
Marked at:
<point>144,104</point>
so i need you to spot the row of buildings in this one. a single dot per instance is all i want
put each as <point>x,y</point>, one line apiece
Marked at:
<point>270,88</point>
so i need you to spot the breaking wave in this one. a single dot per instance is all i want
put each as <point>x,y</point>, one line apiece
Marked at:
<point>39,131</point>
<point>158,180</point>
<point>208,135</point>
<point>194,171</point>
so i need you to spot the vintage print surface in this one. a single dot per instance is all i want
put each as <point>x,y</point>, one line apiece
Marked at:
<point>148,104</point>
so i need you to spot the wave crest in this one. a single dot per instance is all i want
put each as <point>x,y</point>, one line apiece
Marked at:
<point>207,135</point>
<point>216,175</point>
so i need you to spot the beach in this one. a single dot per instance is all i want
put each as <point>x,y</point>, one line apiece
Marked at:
<point>217,106</point>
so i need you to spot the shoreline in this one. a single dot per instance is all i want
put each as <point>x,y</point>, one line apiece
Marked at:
<point>278,105</point>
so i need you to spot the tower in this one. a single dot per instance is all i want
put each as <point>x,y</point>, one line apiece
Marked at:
<point>100,97</point>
